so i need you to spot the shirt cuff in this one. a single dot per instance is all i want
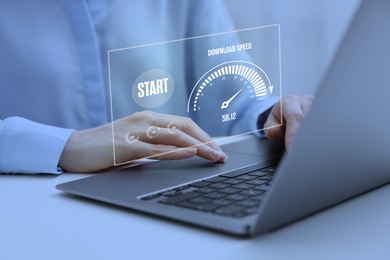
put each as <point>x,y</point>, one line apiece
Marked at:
<point>28,147</point>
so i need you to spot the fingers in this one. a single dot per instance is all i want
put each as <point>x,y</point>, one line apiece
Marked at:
<point>273,126</point>
<point>286,118</point>
<point>306,103</point>
<point>293,116</point>
<point>185,125</point>
<point>177,138</point>
<point>162,152</point>
<point>164,137</point>
<point>175,153</point>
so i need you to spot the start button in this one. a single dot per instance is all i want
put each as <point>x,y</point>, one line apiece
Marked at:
<point>153,88</point>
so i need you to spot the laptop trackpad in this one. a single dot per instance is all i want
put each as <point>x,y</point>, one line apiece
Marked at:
<point>241,154</point>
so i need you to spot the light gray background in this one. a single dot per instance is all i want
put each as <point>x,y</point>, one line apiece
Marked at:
<point>310,34</point>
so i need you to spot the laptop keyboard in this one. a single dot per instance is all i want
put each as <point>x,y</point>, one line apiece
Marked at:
<point>231,194</point>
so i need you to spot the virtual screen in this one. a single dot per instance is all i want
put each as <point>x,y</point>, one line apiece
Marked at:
<point>222,81</point>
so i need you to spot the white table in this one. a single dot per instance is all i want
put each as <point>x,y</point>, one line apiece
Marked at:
<point>39,222</point>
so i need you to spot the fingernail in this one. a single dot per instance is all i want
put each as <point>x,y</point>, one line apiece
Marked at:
<point>219,155</point>
<point>224,157</point>
<point>191,150</point>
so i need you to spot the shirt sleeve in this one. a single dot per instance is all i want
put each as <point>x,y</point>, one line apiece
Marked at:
<point>28,147</point>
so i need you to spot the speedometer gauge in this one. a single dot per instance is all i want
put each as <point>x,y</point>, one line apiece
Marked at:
<point>222,92</point>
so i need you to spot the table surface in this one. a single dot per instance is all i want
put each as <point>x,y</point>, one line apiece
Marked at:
<point>39,222</point>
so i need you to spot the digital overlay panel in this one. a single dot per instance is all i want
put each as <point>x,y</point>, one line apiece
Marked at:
<point>221,81</point>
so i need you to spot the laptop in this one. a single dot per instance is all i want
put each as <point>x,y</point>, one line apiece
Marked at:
<point>342,150</point>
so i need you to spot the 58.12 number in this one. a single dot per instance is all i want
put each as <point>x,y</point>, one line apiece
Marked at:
<point>229,117</point>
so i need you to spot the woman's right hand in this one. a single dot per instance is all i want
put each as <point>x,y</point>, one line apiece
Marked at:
<point>141,135</point>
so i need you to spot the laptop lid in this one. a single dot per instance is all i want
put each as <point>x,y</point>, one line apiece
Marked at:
<point>343,147</point>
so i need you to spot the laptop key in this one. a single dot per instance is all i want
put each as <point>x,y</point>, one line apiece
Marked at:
<point>229,210</point>
<point>233,181</point>
<point>214,195</point>
<point>243,186</point>
<point>182,188</point>
<point>204,190</point>
<point>222,202</point>
<point>215,179</point>
<point>219,185</point>
<point>258,198</point>
<point>262,187</point>
<point>179,198</point>
<point>231,174</point>
<point>270,169</point>
<point>236,197</point>
<point>171,193</point>
<point>199,200</point>
<point>186,204</point>
<point>257,182</point>
<point>266,178</point>
<point>248,203</point>
<point>260,173</point>
<point>202,207</point>
<point>199,184</point>
<point>252,192</point>
<point>230,190</point>
<point>208,207</point>
<point>246,177</point>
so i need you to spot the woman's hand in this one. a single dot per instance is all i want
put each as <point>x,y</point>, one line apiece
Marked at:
<point>142,135</point>
<point>293,109</point>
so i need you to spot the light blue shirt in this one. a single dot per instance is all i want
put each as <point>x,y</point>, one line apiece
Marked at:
<point>53,66</point>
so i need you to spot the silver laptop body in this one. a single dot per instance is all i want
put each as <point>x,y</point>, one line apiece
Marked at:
<point>342,149</point>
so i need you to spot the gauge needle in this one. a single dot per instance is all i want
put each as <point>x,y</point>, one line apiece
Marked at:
<point>226,103</point>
